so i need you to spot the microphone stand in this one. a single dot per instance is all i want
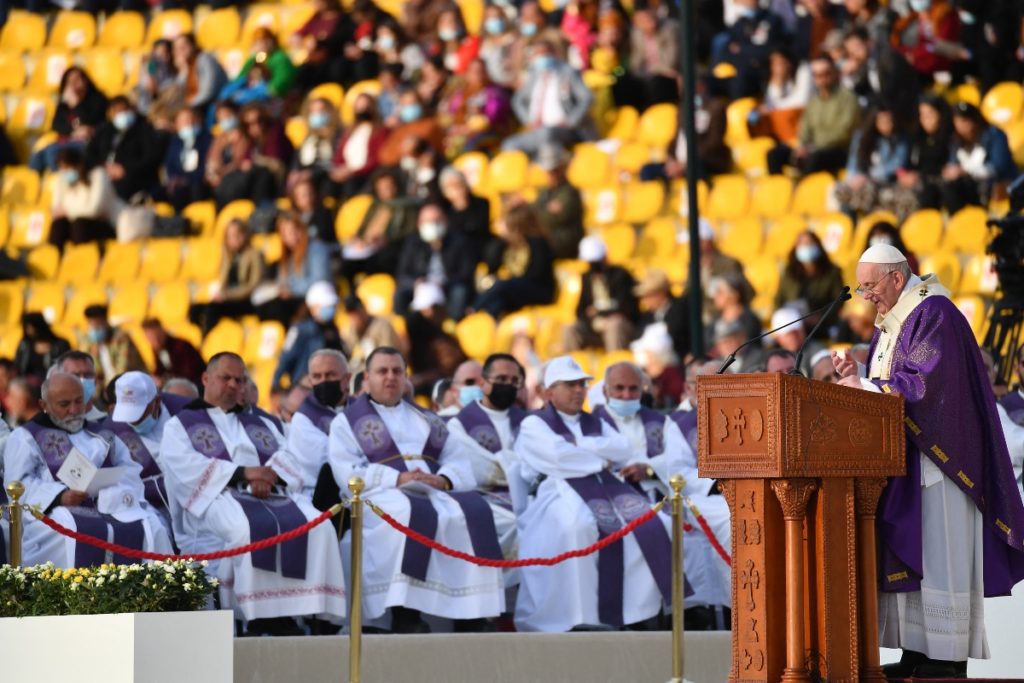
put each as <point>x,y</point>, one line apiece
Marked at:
<point>843,296</point>
<point>731,358</point>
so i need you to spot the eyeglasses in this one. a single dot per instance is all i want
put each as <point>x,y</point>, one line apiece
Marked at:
<point>514,380</point>
<point>864,289</point>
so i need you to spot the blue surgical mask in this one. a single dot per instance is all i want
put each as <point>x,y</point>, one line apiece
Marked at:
<point>808,253</point>
<point>528,30</point>
<point>88,388</point>
<point>96,335</point>
<point>326,314</point>
<point>123,120</point>
<point>746,12</point>
<point>920,5</point>
<point>146,426</point>
<point>386,42</point>
<point>623,407</point>
<point>470,393</point>
<point>543,62</point>
<point>188,134</point>
<point>228,124</point>
<point>447,34</point>
<point>71,175</point>
<point>494,25</point>
<point>318,119</point>
<point>410,112</point>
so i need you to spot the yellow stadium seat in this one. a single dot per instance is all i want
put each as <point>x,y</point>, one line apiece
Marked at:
<point>32,114</point>
<point>763,273</point>
<point>260,16</point>
<point>657,126</point>
<point>751,157</point>
<point>966,232</point>
<point>105,65</point>
<point>626,121</point>
<point>20,185</point>
<point>589,167</point>
<point>12,302</point>
<point>219,29</point>
<point>743,239</point>
<point>187,331</point>
<point>679,197</point>
<point>377,292</point>
<point>945,266</point>
<point>128,304</point>
<point>371,87</point>
<point>476,334</point>
<point>472,14</point>
<point>30,227</point>
<point>239,208</point>
<point>5,226</point>
<point>203,216</point>
<point>866,223</point>
<point>508,171</point>
<point>602,206</point>
<point>73,31</point>
<point>1014,135</point>
<point>120,264</point>
<point>270,246</point>
<point>474,165</point>
<point>296,129</point>
<point>226,335</point>
<point>83,296</point>
<point>46,298</point>
<point>811,195</point>
<point>642,201</point>
<point>332,92</point>
<point>979,276</point>
<point>49,68</point>
<point>835,230</point>
<point>42,262</point>
<point>520,323</point>
<point>202,260</point>
<point>729,198</point>
<point>922,231</point>
<point>170,303</point>
<point>1002,104</point>
<point>621,242</point>
<point>12,71</point>
<point>161,260</point>
<point>631,157</point>
<point>965,92</point>
<point>610,358</point>
<point>124,29</point>
<point>169,24</point>
<point>23,32</point>
<point>263,342</point>
<point>657,240</point>
<point>79,265</point>
<point>350,217</point>
<point>771,196</point>
<point>736,129</point>
<point>973,308</point>
<point>781,236</point>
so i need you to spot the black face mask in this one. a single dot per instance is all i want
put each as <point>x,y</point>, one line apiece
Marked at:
<point>502,396</point>
<point>329,392</point>
<point>364,116</point>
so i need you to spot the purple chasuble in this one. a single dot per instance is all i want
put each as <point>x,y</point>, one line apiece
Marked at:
<point>1013,402</point>
<point>613,502</point>
<point>379,447</point>
<point>55,445</point>
<point>686,420</point>
<point>152,477</point>
<point>951,417</point>
<point>267,516</point>
<point>320,415</point>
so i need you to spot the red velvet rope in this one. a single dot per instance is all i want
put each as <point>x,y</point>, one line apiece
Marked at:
<point>711,535</point>
<point>146,555</point>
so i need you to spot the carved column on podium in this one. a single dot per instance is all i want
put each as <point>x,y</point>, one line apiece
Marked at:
<point>793,495</point>
<point>868,492</point>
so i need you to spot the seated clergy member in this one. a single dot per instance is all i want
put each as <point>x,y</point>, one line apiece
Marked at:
<point>230,482</point>
<point>34,456</point>
<point>311,423</point>
<point>487,429</point>
<point>577,502</point>
<point>419,476</point>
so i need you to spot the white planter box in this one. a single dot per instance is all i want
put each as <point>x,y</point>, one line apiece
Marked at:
<point>146,647</point>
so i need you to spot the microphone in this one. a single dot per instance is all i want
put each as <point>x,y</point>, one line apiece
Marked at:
<point>843,296</point>
<point>731,358</point>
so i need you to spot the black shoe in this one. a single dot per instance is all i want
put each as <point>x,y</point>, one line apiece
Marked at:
<point>652,624</point>
<point>700,618</point>
<point>905,667</point>
<point>278,626</point>
<point>404,620</point>
<point>938,669</point>
<point>474,626</point>
<point>322,627</point>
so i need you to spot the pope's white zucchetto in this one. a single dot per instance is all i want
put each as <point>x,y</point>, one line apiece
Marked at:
<point>884,254</point>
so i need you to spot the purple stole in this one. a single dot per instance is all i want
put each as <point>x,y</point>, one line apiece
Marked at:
<point>610,501</point>
<point>174,403</point>
<point>654,427</point>
<point>55,445</point>
<point>1013,402</point>
<point>686,420</point>
<point>320,415</point>
<point>267,516</point>
<point>480,428</point>
<point>152,477</point>
<point>379,447</point>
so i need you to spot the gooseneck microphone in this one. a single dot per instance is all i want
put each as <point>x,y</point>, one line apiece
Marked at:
<point>843,296</point>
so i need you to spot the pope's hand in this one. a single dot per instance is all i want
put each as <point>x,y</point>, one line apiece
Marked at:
<point>844,364</point>
<point>851,381</point>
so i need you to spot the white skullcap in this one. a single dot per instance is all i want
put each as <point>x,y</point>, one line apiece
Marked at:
<point>820,356</point>
<point>883,253</point>
<point>592,249</point>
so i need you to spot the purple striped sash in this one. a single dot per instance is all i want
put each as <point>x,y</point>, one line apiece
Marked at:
<point>686,420</point>
<point>206,439</point>
<point>89,521</point>
<point>478,425</point>
<point>55,445</point>
<point>590,424</point>
<point>152,477</point>
<point>320,415</point>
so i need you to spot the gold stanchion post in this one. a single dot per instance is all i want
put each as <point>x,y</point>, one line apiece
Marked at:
<point>14,492</point>
<point>355,636</point>
<point>677,482</point>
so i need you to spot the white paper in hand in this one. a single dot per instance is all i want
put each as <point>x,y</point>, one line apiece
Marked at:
<point>107,476</point>
<point>77,472</point>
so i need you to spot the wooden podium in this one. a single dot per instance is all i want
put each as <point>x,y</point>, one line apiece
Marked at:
<point>802,465</point>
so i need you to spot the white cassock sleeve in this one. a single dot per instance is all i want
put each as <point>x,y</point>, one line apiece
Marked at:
<point>682,460</point>
<point>482,461</point>
<point>544,452</point>
<point>128,492</point>
<point>199,480</point>
<point>285,463</point>
<point>23,462</point>
<point>347,460</point>
<point>457,464</point>
<point>308,445</point>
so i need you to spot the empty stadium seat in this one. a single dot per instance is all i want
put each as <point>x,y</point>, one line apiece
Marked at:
<point>835,230</point>
<point>602,206</point>
<point>30,227</point>
<point>922,231</point>
<point>12,302</point>
<point>729,198</point>
<point>20,185</point>
<point>743,239</point>
<point>79,264</point>
<point>170,303</point>
<point>508,171</point>
<point>763,273</point>
<point>626,122</point>
<point>12,71</point>
<point>621,242</point>
<point>771,196</point>
<point>168,24</point>
<point>945,266</point>
<point>974,309</point>
<point>219,29</point>
<point>46,298</point>
<point>129,303</point>
<point>657,240</point>
<point>42,262</point>
<point>979,276</point>
<point>1002,104</point>
<point>966,231</point>
<point>811,195</point>
<point>23,32</point>
<point>657,126</point>
<point>751,156</point>
<point>239,208</point>
<point>120,263</point>
<point>105,65</point>
<point>83,296</point>
<point>679,197</point>
<point>377,292</point>
<point>476,334</point>
<point>472,14</point>
<point>123,29</point>
<point>350,217</point>
<point>589,167</point>
<point>226,335</point>
<point>202,260</point>
<point>161,260</point>
<point>48,70</point>
<point>263,342</point>
<point>782,234</point>
<point>203,216</point>
<point>736,130</point>
<point>642,201</point>
<point>32,114</point>
<point>73,31</point>
<point>631,157</point>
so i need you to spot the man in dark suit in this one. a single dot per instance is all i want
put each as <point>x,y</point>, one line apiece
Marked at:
<point>654,293</point>
<point>128,148</point>
<point>174,357</point>
<point>607,313</point>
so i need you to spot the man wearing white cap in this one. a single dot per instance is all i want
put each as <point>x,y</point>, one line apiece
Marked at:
<point>792,336</point>
<point>315,331</point>
<point>950,531</point>
<point>713,263</point>
<point>607,310</point>
<point>576,502</point>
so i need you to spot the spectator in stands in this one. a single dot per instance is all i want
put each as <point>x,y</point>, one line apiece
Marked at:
<point>788,91</point>
<point>928,37</point>
<point>884,232</point>
<point>419,172</point>
<point>579,28</point>
<point>7,372</point>
<point>313,329</point>
<point>727,339</point>
<point>22,402</point>
<point>364,332</point>
<point>173,356</point>
<point>919,182</point>
<point>397,55</point>
<point>732,296</point>
<point>414,123</point>
<point>464,388</point>
<point>497,45</point>
<point>315,153</point>
<point>713,155</point>
<point>811,280</point>
<point>184,168</point>
<point>815,19</point>
<point>306,202</point>
<point>7,155</point>
<point>112,349</point>
<point>878,151</point>
<point>279,78</point>
<point>419,19</point>
<point>451,45</point>
<point>822,369</point>
<point>179,386</point>
<point>81,109</point>
<point>531,22</point>
<point>199,75</point>
<point>230,167</point>
<point>746,46</point>
<point>271,149</point>
<point>128,148</point>
<point>387,222</point>
<point>39,347</point>
<point>241,271</point>
<point>654,353</point>
<point>879,75</point>
<point>84,205</point>
<point>713,263</point>
<point>655,51</point>
<point>780,361</point>
<point>980,163</point>
<point>156,75</point>
<point>321,38</point>
<point>560,204</point>
<point>358,151</point>
<point>520,265</point>
<point>990,31</point>
<point>607,313</point>
<point>436,353</point>
<point>468,214</point>
<point>304,261</point>
<point>870,16</point>
<point>826,127</point>
<point>658,305</point>
<point>792,336</point>
<point>82,366</point>
<point>438,255</point>
<point>474,112</point>
<point>552,103</point>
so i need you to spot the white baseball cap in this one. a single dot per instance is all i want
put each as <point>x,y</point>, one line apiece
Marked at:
<point>321,294</point>
<point>784,316</point>
<point>592,249</point>
<point>426,295</point>
<point>134,391</point>
<point>563,369</point>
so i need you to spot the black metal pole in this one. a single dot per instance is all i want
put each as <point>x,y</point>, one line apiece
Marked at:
<point>687,30</point>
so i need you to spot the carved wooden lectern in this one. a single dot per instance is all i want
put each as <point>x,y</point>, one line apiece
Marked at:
<point>802,465</point>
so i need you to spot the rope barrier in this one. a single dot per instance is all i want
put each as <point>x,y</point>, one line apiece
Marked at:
<point>146,555</point>
<point>709,533</point>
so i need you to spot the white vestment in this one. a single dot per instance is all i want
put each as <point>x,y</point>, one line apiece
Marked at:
<point>453,588</point>
<point>308,444</point>
<point>557,520</point>
<point>1014,435</point>
<point>207,519</point>
<point>124,501</point>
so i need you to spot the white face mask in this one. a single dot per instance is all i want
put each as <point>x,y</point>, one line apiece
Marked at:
<point>432,230</point>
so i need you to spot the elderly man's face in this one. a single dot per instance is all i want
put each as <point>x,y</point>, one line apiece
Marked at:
<point>880,288</point>
<point>824,371</point>
<point>65,403</point>
<point>781,364</point>
<point>623,382</point>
